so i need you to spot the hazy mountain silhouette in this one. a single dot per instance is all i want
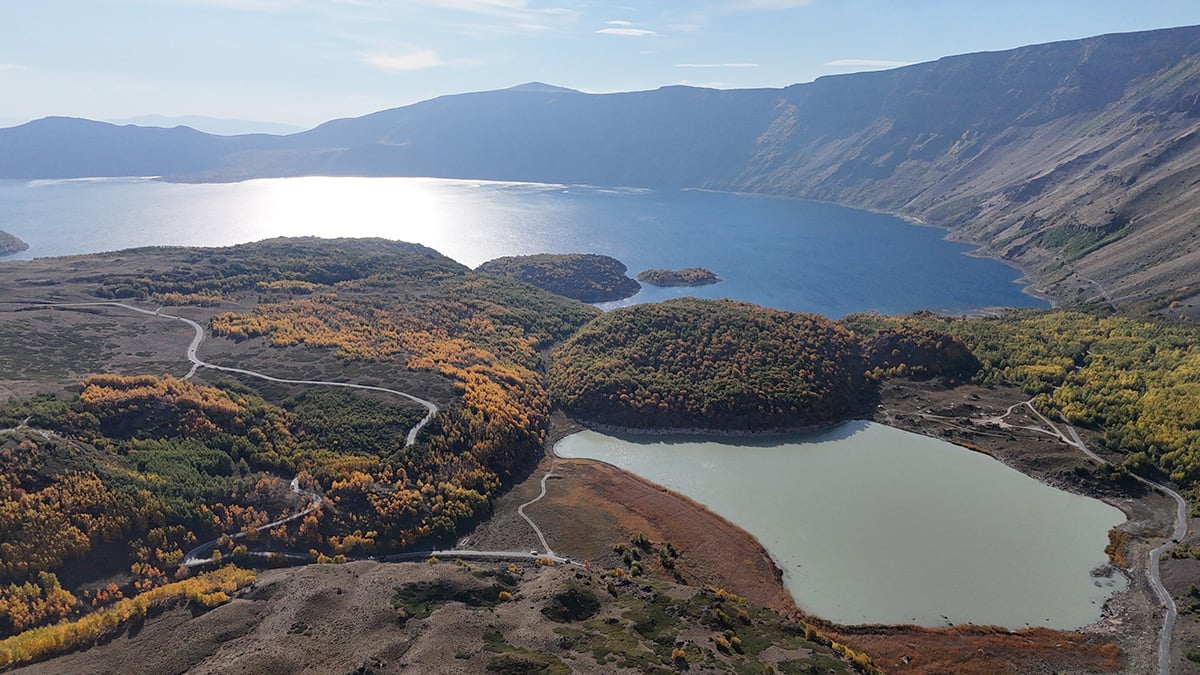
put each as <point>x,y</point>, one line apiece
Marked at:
<point>67,147</point>
<point>212,125</point>
<point>1074,159</point>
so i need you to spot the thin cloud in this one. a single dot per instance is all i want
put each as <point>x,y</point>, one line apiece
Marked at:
<point>10,66</point>
<point>502,8</point>
<point>868,63</point>
<point>492,18</point>
<point>417,59</point>
<point>716,65</point>
<point>619,23</point>
<point>631,32</point>
<point>768,5</point>
<point>247,5</point>
<point>518,10</point>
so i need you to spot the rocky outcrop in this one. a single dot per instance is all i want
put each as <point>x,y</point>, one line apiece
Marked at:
<point>10,243</point>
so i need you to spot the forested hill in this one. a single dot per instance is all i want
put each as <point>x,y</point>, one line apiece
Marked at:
<point>709,364</point>
<point>1073,159</point>
<point>128,469</point>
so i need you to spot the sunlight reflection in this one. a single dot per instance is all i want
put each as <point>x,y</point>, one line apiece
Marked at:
<point>348,207</point>
<point>787,254</point>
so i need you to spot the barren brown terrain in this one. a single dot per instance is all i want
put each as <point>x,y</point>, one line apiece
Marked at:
<point>591,505</point>
<point>447,617</point>
<point>314,619</point>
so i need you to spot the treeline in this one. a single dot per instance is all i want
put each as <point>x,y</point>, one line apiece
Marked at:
<point>280,266</point>
<point>709,364</point>
<point>146,457</point>
<point>139,468</point>
<point>1136,382</point>
<point>204,591</point>
<point>153,465</point>
<point>919,352</point>
<point>484,333</point>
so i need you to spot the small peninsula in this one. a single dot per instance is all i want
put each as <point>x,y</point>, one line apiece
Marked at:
<point>586,277</point>
<point>717,365</point>
<point>10,244</point>
<point>689,276</point>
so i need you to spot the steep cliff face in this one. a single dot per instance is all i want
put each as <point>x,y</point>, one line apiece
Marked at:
<point>1075,160</point>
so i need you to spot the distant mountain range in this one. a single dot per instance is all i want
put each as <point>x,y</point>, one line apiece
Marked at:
<point>1075,160</point>
<point>211,125</point>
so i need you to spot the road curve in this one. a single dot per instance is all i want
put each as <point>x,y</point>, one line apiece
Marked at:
<point>1178,532</point>
<point>193,559</point>
<point>521,512</point>
<point>194,358</point>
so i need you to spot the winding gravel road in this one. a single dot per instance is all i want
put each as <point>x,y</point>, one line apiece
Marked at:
<point>194,358</point>
<point>521,512</point>
<point>1178,531</point>
<point>193,557</point>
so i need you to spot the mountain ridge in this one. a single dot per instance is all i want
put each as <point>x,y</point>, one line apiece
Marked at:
<point>218,126</point>
<point>1072,160</point>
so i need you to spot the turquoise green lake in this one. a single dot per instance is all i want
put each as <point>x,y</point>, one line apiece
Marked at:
<point>871,524</point>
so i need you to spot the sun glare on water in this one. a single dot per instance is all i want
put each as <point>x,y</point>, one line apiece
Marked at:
<point>347,207</point>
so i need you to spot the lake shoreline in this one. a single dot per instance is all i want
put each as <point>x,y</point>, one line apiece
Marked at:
<point>1088,648</point>
<point>1027,280</point>
<point>1129,616</point>
<point>722,433</point>
<point>779,251</point>
<point>927,560</point>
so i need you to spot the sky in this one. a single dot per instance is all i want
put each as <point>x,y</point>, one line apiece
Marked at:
<point>302,62</point>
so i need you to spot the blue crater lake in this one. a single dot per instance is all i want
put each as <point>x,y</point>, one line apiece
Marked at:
<point>790,254</point>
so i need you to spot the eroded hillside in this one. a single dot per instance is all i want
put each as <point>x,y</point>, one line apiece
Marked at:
<point>1074,160</point>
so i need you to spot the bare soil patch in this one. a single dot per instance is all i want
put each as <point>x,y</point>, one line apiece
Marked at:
<point>980,650</point>
<point>450,617</point>
<point>589,506</point>
<point>314,619</point>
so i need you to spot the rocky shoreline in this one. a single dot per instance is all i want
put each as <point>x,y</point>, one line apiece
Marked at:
<point>10,244</point>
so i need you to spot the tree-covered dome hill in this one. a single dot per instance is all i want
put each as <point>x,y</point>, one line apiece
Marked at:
<point>709,364</point>
<point>920,352</point>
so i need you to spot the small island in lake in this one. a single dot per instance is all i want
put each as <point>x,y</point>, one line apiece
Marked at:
<point>582,276</point>
<point>690,276</point>
<point>10,243</point>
